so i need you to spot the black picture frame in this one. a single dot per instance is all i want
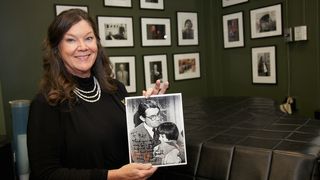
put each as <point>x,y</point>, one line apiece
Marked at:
<point>264,65</point>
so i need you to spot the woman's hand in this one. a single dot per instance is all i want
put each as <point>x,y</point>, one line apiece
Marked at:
<point>133,171</point>
<point>159,88</point>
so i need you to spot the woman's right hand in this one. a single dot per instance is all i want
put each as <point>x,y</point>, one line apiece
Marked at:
<point>133,171</point>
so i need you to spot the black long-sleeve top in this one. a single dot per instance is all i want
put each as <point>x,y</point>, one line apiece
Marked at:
<point>82,143</point>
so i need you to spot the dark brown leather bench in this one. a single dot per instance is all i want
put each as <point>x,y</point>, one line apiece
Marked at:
<point>246,138</point>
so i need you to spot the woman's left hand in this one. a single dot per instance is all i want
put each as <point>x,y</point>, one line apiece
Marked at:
<point>159,88</point>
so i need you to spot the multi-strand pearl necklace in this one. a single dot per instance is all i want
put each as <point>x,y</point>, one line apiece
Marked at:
<point>89,96</point>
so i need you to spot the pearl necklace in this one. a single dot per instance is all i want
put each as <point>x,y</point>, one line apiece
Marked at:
<point>88,96</point>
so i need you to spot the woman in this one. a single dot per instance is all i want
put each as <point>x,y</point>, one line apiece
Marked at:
<point>77,123</point>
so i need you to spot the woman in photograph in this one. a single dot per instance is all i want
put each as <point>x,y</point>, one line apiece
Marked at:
<point>77,121</point>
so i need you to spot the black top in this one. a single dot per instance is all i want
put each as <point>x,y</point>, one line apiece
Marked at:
<point>81,143</point>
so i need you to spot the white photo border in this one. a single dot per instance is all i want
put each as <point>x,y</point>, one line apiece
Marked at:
<point>226,3</point>
<point>270,67</point>
<point>147,59</point>
<point>103,20</point>
<point>226,30</point>
<point>195,73</point>
<point>182,17</point>
<point>132,70</point>
<point>274,12</point>
<point>118,3</point>
<point>159,5</point>
<point>171,110</point>
<point>166,41</point>
<point>62,7</point>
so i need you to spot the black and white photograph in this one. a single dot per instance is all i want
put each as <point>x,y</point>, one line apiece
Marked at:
<point>264,65</point>
<point>152,4</point>
<point>155,67</point>
<point>115,31</point>
<point>266,21</point>
<point>187,28</point>
<point>124,71</point>
<point>156,31</point>
<point>62,7</point>
<point>186,66</point>
<point>118,3</point>
<point>226,3</point>
<point>233,30</point>
<point>156,132</point>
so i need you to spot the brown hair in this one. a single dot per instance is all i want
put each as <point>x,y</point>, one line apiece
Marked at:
<point>57,83</point>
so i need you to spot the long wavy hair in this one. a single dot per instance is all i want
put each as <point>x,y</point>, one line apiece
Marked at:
<point>57,83</point>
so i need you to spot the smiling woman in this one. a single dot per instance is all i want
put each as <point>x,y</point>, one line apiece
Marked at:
<point>78,49</point>
<point>77,122</point>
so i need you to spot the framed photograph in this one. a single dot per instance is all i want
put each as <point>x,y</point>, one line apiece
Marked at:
<point>152,4</point>
<point>186,66</point>
<point>266,21</point>
<point>156,31</point>
<point>226,3</point>
<point>264,65</point>
<point>155,67</point>
<point>155,128</point>
<point>124,70</point>
<point>187,28</point>
<point>118,3</point>
<point>62,7</point>
<point>233,30</point>
<point>115,31</point>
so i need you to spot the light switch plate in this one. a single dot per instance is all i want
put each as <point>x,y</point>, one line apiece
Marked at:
<point>300,33</point>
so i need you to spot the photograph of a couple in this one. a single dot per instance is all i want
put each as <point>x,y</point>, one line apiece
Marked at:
<point>156,130</point>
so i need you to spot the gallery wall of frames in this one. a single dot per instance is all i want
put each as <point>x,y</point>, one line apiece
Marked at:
<point>118,32</point>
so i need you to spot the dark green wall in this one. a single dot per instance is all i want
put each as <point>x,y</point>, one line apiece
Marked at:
<point>300,58</point>
<point>24,28</point>
<point>223,71</point>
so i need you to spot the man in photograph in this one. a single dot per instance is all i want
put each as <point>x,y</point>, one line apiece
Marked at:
<point>155,71</point>
<point>144,137</point>
<point>122,74</point>
<point>266,23</point>
<point>188,32</point>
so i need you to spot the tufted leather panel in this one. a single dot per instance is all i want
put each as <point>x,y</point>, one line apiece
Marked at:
<point>246,138</point>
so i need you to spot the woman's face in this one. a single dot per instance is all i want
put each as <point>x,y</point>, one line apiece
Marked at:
<point>78,49</point>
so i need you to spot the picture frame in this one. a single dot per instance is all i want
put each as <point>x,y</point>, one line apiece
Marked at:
<point>266,21</point>
<point>124,70</point>
<point>166,114</point>
<point>118,3</point>
<point>186,66</point>
<point>62,7</point>
<point>187,23</point>
<point>264,65</point>
<point>226,3</point>
<point>155,31</point>
<point>233,31</point>
<point>152,4</point>
<point>115,31</point>
<point>155,67</point>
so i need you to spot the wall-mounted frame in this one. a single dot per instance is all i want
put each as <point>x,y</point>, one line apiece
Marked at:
<point>264,65</point>
<point>62,7</point>
<point>152,4</point>
<point>233,30</point>
<point>155,31</point>
<point>124,69</point>
<point>187,28</point>
<point>226,3</point>
<point>266,21</point>
<point>186,66</point>
<point>115,31</point>
<point>118,3</point>
<point>155,67</point>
